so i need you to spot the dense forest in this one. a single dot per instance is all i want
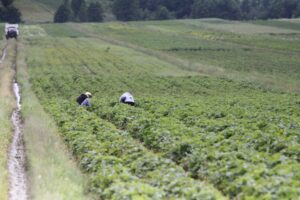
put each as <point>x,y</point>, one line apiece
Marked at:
<point>226,9</point>
<point>127,10</point>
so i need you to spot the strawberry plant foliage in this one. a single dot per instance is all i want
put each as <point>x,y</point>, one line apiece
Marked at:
<point>188,137</point>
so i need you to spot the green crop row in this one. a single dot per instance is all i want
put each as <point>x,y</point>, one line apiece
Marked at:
<point>120,167</point>
<point>227,159</point>
<point>269,128</point>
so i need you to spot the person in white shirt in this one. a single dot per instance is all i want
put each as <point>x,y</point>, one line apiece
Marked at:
<point>127,98</point>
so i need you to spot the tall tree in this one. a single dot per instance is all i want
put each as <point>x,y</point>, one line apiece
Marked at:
<point>162,13</point>
<point>63,13</point>
<point>143,4</point>
<point>289,7</point>
<point>204,8</point>
<point>181,8</point>
<point>95,12</point>
<point>246,6</point>
<point>297,11</point>
<point>82,13</point>
<point>2,14</point>
<point>153,5</point>
<point>126,10</point>
<point>76,5</point>
<point>12,14</point>
<point>228,9</point>
<point>6,3</point>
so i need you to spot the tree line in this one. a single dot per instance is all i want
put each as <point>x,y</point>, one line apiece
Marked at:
<point>127,10</point>
<point>226,9</point>
<point>8,12</point>
<point>79,11</point>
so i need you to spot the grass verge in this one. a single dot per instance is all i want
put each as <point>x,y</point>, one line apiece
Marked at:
<point>52,173</point>
<point>5,133</point>
<point>6,107</point>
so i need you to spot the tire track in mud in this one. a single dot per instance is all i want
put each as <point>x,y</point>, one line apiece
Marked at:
<point>3,54</point>
<point>18,189</point>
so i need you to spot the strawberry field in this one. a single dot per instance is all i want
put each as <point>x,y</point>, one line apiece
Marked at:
<point>190,136</point>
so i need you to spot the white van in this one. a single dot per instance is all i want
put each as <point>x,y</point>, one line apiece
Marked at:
<point>11,31</point>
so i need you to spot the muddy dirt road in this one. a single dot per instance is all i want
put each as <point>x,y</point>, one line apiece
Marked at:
<point>16,156</point>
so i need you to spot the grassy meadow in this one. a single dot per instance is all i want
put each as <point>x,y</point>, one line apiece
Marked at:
<point>217,114</point>
<point>36,11</point>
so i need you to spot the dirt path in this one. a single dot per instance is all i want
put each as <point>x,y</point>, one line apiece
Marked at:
<point>16,156</point>
<point>17,160</point>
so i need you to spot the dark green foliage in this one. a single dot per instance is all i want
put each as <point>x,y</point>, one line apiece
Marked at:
<point>6,3</point>
<point>2,13</point>
<point>63,14</point>
<point>82,14</point>
<point>276,9</point>
<point>228,9</point>
<point>76,6</point>
<point>95,12</point>
<point>297,11</point>
<point>126,10</point>
<point>79,12</point>
<point>265,9</point>
<point>225,9</point>
<point>162,13</point>
<point>11,14</point>
<point>288,8</point>
<point>204,8</point>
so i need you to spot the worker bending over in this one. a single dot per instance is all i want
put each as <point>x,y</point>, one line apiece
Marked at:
<point>84,99</point>
<point>127,98</point>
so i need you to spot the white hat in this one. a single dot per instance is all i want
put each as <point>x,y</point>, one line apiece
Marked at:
<point>88,94</point>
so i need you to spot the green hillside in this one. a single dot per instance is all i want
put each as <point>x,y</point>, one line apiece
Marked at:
<point>217,105</point>
<point>37,11</point>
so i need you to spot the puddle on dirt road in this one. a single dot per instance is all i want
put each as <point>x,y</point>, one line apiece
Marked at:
<point>17,159</point>
<point>3,55</point>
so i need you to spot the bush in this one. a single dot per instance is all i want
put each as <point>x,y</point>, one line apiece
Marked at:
<point>10,14</point>
<point>163,13</point>
<point>95,12</point>
<point>63,14</point>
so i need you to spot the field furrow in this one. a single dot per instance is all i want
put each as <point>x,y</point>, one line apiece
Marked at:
<point>222,157</point>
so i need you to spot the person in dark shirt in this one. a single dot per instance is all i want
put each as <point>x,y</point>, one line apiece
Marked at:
<point>84,99</point>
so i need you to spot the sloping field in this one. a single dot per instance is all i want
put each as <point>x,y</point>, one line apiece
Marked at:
<point>42,11</point>
<point>37,11</point>
<point>271,55</point>
<point>200,129</point>
<point>292,24</point>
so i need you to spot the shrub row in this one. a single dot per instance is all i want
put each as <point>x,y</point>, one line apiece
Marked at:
<point>120,167</point>
<point>233,164</point>
<point>267,128</point>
